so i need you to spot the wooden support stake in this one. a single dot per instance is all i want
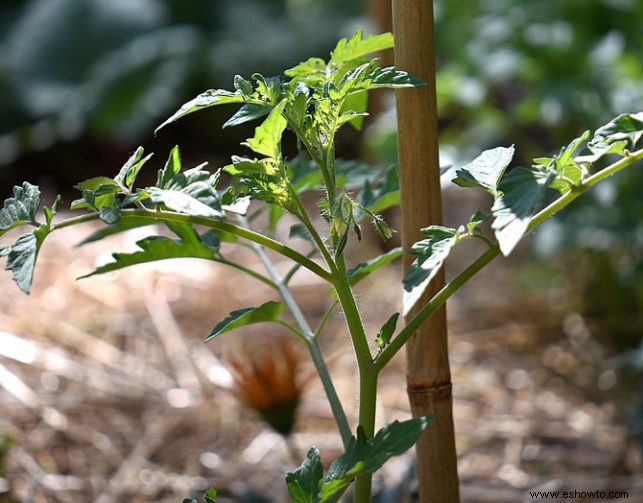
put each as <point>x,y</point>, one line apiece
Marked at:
<point>428,374</point>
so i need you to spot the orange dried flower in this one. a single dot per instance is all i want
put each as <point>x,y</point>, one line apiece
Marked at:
<point>267,380</point>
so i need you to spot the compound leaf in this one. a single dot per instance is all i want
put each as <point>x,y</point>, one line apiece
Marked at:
<point>304,482</point>
<point>266,312</point>
<point>21,208</point>
<point>192,192</point>
<point>485,170</point>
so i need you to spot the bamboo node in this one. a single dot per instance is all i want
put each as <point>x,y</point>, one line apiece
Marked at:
<point>429,393</point>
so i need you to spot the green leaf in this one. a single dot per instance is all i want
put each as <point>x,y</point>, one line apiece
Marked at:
<point>183,203</point>
<point>304,482</point>
<point>127,175</point>
<point>267,138</point>
<point>432,253</point>
<point>247,113</point>
<point>386,332</point>
<point>170,170</point>
<point>111,214</point>
<point>192,192</point>
<point>155,248</point>
<point>359,47</point>
<point>243,85</point>
<point>266,312</point>
<point>245,166</point>
<point>21,208</point>
<point>523,191</point>
<point>21,257</point>
<point>268,88</point>
<point>476,219</point>
<point>368,455</point>
<point>622,132</point>
<point>50,212</point>
<point>627,127</point>
<point>21,260</point>
<point>353,110</point>
<point>211,495</point>
<point>485,170</point>
<point>206,99</point>
<point>359,272</point>
<point>98,193</point>
<point>389,77</point>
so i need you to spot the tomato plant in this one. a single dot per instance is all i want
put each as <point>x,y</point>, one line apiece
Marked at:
<point>313,101</point>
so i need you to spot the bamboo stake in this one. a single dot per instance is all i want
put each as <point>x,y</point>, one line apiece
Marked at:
<point>428,374</point>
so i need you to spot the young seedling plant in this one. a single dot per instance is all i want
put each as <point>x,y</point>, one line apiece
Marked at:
<point>312,101</point>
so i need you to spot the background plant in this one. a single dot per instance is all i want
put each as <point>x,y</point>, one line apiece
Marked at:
<point>314,101</point>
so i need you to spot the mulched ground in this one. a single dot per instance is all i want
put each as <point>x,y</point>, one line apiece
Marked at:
<point>109,394</point>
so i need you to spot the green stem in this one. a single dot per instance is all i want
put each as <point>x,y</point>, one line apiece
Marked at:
<point>428,309</point>
<point>305,219</point>
<point>325,318</point>
<point>367,372</point>
<point>219,225</point>
<point>308,336</point>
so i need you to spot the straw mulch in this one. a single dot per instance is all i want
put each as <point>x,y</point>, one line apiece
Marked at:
<point>108,393</point>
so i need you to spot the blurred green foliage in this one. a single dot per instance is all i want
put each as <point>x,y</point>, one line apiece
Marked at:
<point>104,73</point>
